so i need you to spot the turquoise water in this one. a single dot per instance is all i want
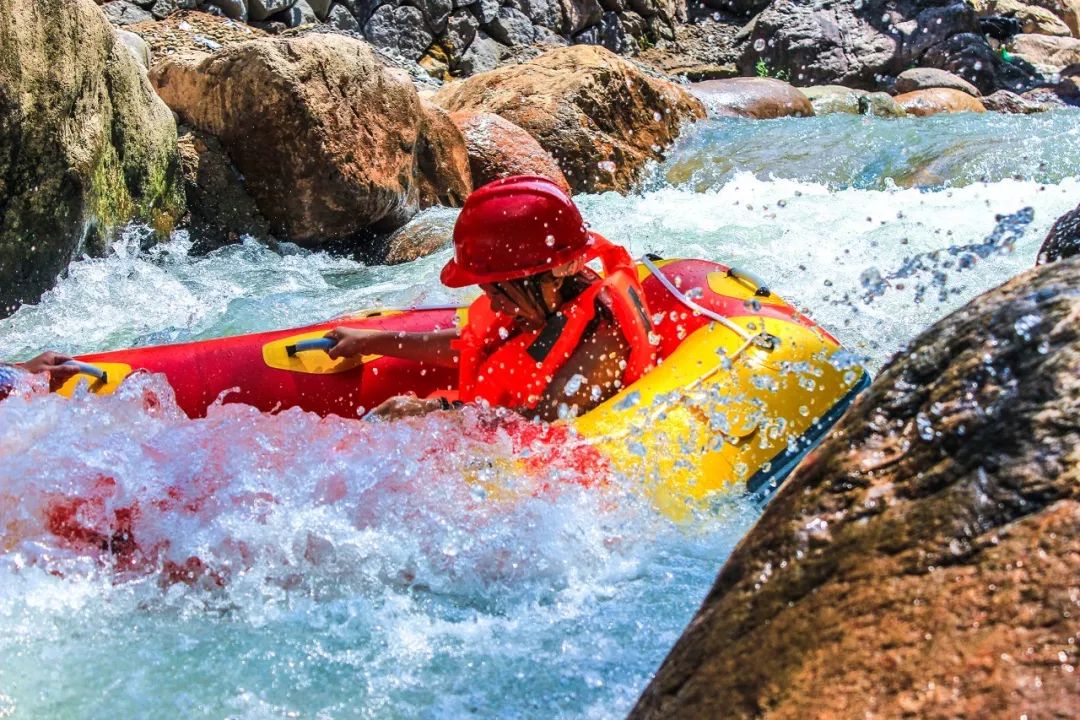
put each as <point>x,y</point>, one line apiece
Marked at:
<point>351,570</point>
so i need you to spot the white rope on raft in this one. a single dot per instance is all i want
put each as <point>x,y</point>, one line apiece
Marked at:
<point>761,339</point>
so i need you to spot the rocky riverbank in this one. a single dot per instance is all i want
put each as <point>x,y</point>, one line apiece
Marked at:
<point>297,123</point>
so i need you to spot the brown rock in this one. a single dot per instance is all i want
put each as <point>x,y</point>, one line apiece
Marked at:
<point>924,562</point>
<point>85,145</point>
<point>596,113</point>
<point>753,97</point>
<point>189,31</point>
<point>1063,240</point>
<point>926,78</point>
<point>220,211</point>
<point>428,232</point>
<point>938,100</point>
<point>444,177</point>
<point>1004,101</point>
<point>1067,10</point>
<point>327,138</point>
<point>498,148</point>
<point>1033,19</point>
<point>1046,52</point>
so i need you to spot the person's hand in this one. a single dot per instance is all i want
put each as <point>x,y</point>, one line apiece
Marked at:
<point>51,363</point>
<point>403,406</point>
<point>349,342</point>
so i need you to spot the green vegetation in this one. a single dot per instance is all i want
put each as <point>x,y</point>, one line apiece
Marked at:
<point>762,70</point>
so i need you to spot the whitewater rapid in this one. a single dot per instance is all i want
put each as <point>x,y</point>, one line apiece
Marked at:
<point>349,569</point>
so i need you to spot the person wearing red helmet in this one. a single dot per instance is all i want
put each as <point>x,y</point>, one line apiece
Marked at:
<point>548,335</point>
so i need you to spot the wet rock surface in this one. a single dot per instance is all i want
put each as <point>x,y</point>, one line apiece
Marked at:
<point>598,115</point>
<point>326,137</point>
<point>924,562</point>
<point>85,145</point>
<point>759,98</point>
<point>827,99</point>
<point>220,210</point>
<point>938,100</point>
<point>498,148</point>
<point>1063,240</point>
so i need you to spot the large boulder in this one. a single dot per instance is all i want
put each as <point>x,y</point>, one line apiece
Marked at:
<point>862,44</point>
<point>923,562</point>
<point>498,148</point>
<point>752,97</point>
<point>85,145</point>
<point>327,137</point>
<point>1063,240</point>
<point>938,100</point>
<point>599,115</point>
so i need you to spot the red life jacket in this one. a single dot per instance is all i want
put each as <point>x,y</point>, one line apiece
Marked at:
<point>511,367</point>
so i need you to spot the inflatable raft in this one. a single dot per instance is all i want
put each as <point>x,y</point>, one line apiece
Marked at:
<point>746,384</point>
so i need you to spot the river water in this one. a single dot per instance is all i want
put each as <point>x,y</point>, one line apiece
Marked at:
<point>350,570</point>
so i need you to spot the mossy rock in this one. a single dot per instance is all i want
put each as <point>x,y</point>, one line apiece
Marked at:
<point>85,144</point>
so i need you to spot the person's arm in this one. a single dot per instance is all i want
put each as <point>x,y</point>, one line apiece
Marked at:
<point>53,364</point>
<point>430,348</point>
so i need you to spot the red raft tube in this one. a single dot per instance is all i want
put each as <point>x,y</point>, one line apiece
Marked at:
<point>745,387</point>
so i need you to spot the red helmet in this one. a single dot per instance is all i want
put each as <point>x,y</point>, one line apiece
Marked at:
<point>513,228</point>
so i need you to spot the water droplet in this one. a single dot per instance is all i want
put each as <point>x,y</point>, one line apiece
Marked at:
<point>759,44</point>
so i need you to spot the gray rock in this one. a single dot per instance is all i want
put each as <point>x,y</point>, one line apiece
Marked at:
<point>290,17</point>
<point>136,45</point>
<point>164,8</point>
<point>342,19</point>
<point>125,13</point>
<point>308,16</point>
<point>234,9</point>
<point>321,8</point>
<point>461,30</point>
<point>399,30</point>
<point>616,6</point>
<point>483,54</point>
<point>436,13</point>
<point>580,14</point>
<point>924,78</point>
<point>614,35</point>
<point>213,10</point>
<point>362,10</point>
<point>486,10</point>
<point>263,9</point>
<point>859,46</point>
<point>589,36</point>
<point>547,13</point>
<point>549,38</point>
<point>463,3</point>
<point>511,27</point>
